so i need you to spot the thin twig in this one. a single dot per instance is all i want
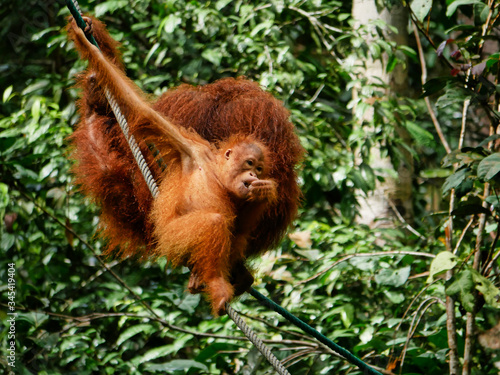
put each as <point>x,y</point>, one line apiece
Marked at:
<point>411,303</point>
<point>464,122</point>
<point>298,357</point>
<point>492,248</point>
<point>490,265</point>
<point>403,221</point>
<point>464,232</point>
<point>270,59</point>
<point>316,94</point>
<point>414,324</point>
<point>423,66</point>
<point>320,29</point>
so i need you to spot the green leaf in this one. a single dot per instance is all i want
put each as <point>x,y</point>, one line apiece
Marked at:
<point>7,241</point>
<point>4,196</point>
<point>395,278</point>
<point>489,167</point>
<point>35,110</point>
<point>493,60</point>
<point>151,52</point>
<point>435,173</point>
<point>40,84</point>
<point>170,23</point>
<point>419,134</point>
<point>347,314</point>
<point>368,175</point>
<point>360,182</point>
<point>394,297</point>
<point>452,96</point>
<point>212,55</point>
<point>374,50</point>
<point>367,335</point>
<point>189,303</point>
<point>489,139</point>
<point>434,85</point>
<point>460,27</point>
<point>134,330</point>
<point>109,7</point>
<point>466,156</point>
<point>34,318</point>
<point>408,51</point>
<point>152,354</point>
<point>221,4</point>
<point>421,8</point>
<point>6,93</point>
<point>455,179</point>
<point>48,169</point>
<point>391,63</point>
<point>454,5</point>
<point>266,25</point>
<point>311,255</point>
<point>489,291</point>
<point>462,287</point>
<point>444,261</point>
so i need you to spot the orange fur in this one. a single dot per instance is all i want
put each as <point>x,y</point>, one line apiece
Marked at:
<point>228,189</point>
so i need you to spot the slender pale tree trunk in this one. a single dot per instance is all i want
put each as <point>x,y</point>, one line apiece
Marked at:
<point>377,208</point>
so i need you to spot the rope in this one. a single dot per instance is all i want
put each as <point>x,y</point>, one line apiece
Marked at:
<point>153,188</point>
<point>278,366</point>
<point>310,330</point>
<point>134,147</point>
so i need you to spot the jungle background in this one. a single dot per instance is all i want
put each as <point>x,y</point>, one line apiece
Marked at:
<point>394,254</point>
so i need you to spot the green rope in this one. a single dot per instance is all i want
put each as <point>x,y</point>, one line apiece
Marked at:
<point>310,330</point>
<point>76,12</point>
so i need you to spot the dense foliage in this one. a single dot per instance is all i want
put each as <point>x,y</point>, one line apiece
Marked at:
<point>385,294</point>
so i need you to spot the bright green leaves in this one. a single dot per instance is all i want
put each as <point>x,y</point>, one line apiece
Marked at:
<point>170,23</point>
<point>7,94</point>
<point>444,261</point>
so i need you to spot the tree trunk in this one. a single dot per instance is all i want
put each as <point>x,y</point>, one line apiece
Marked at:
<point>377,207</point>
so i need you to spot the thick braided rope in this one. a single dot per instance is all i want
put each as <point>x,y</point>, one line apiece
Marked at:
<point>261,347</point>
<point>134,147</point>
<point>153,187</point>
